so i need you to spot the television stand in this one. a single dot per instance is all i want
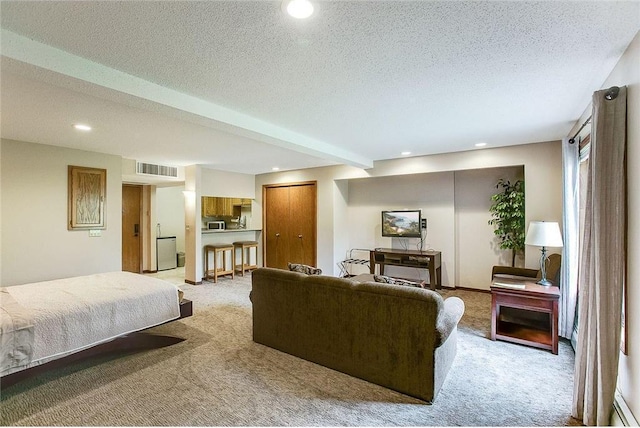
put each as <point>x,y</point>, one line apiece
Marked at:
<point>428,259</point>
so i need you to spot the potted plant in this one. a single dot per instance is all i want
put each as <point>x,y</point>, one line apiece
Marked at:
<point>507,212</point>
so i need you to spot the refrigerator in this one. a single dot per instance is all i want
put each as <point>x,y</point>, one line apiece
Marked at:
<point>166,256</point>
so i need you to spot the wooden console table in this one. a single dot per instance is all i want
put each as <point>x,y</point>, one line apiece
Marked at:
<point>430,260</point>
<point>528,315</point>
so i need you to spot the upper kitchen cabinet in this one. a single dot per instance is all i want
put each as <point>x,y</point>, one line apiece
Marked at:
<point>209,207</point>
<point>217,207</point>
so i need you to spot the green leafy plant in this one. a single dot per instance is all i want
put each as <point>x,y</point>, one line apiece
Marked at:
<point>507,212</point>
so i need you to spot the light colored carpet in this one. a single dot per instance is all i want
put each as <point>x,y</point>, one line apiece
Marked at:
<point>219,377</point>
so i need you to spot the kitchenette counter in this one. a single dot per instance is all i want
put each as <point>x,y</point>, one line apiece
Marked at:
<point>208,231</point>
<point>229,236</point>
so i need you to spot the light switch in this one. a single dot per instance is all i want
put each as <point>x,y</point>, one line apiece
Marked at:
<point>95,232</point>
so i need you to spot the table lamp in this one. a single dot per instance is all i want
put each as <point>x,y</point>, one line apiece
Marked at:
<point>544,234</point>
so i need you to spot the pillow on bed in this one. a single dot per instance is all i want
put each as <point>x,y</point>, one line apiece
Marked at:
<point>396,281</point>
<point>308,270</point>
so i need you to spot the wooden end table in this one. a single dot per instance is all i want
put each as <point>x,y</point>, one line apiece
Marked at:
<point>526,313</point>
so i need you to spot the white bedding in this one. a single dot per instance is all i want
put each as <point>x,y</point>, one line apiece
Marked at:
<point>48,320</point>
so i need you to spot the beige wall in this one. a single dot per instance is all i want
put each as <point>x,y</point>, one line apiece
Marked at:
<point>627,72</point>
<point>36,244</point>
<point>432,193</point>
<point>543,176</point>
<point>477,248</point>
<point>456,207</point>
<point>1,252</point>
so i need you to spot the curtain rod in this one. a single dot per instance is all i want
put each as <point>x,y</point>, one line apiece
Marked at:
<point>573,139</point>
<point>611,94</point>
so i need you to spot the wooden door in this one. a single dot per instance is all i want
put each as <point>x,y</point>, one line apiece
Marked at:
<point>276,234</point>
<point>302,224</point>
<point>131,228</point>
<point>290,225</point>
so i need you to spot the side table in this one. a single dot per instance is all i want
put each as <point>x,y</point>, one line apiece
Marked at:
<point>525,313</point>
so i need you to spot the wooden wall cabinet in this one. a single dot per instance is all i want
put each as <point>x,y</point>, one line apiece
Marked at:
<point>216,207</point>
<point>225,206</point>
<point>209,207</point>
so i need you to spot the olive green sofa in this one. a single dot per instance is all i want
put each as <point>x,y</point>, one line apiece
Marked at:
<point>400,337</point>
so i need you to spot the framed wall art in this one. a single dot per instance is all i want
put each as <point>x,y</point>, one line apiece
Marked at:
<point>87,198</point>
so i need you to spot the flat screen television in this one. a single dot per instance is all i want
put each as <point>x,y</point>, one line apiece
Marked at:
<point>401,224</point>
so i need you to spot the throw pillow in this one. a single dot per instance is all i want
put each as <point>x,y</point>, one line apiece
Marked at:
<point>396,281</point>
<point>308,270</point>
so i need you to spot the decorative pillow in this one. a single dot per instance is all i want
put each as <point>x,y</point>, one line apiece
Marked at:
<point>396,281</point>
<point>308,270</point>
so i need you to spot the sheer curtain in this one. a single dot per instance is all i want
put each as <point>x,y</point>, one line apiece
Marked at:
<point>602,265</point>
<point>569,267</point>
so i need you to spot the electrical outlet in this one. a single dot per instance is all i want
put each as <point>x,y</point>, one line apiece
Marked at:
<point>95,232</point>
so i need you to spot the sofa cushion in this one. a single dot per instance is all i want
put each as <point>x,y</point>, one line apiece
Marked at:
<point>395,281</point>
<point>306,269</point>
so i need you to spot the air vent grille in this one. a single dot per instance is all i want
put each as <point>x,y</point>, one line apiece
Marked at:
<point>153,169</point>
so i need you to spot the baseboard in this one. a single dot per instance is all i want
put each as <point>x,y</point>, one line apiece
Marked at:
<point>622,415</point>
<point>149,271</point>
<point>193,282</point>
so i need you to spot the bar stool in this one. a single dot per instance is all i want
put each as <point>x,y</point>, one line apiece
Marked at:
<point>245,247</point>
<point>219,250</point>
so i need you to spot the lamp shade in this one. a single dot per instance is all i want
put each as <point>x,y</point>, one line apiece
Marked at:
<point>544,234</point>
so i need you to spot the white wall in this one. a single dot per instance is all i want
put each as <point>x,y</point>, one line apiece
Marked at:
<point>227,184</point>
<point>36,244</point>
<point>192,221</point>
<point>170,213</point>
<point>543,196</point>
<point>627,72</point>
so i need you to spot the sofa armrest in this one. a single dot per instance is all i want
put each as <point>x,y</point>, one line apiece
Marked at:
<point>448,318</point>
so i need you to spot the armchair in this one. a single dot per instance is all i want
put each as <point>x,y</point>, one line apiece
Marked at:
<point>553,271</point>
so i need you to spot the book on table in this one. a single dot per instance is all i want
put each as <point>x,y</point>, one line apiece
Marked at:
<point>518,285</point>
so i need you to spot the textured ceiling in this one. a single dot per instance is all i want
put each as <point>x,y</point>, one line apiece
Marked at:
<point>369,78</point>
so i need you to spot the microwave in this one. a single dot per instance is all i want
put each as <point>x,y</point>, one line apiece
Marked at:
<point>216,225</point>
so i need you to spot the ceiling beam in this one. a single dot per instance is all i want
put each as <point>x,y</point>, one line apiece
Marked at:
<point>37,54</point>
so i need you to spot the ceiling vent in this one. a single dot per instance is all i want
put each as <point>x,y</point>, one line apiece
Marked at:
<point>160,170</point>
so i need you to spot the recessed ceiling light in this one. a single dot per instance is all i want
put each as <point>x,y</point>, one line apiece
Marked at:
<point>299,9</point>
<point>81,127</point>
<point>480,144</point>
<point>405,153</point>
<point>275,168</point>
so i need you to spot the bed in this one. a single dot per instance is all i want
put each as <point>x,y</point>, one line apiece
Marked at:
<point>44,321</point>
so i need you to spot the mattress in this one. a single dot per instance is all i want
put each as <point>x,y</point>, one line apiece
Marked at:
<point>43,321</point>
